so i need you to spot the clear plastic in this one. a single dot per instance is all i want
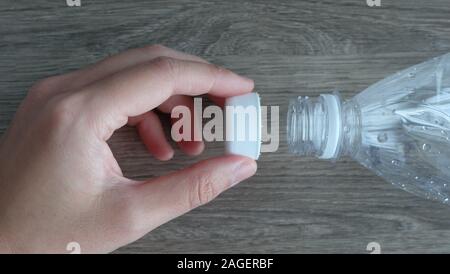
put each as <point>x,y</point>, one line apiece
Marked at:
<point>399,128</point>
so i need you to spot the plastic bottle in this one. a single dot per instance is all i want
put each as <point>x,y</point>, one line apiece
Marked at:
<point>399,128</point>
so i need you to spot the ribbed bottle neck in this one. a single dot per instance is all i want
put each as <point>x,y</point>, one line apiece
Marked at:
<point>323,126</point>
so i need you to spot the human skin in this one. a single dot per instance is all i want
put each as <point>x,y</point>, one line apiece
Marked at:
<point>59,180</point>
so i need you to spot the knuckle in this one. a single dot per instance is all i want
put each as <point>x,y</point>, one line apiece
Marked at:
<point>165,64</point>
<point>45,83</point>
<point>64,110</point>
<point>156,49</point>
<point>203,190</point>
<point>42,87</point>
<point>215,70</point>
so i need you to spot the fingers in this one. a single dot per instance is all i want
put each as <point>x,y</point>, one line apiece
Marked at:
<point>162,199</point>
<point>80,78</point>
<point>192,147</point>
<point>152,135</point>
<point>141,88</point>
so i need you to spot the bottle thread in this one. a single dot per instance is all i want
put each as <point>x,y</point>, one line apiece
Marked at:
<point>322,126</point>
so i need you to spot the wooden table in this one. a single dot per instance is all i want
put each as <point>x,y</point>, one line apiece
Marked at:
<point>290,48</point>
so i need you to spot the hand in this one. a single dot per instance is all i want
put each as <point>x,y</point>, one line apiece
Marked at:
<point>59,180</point>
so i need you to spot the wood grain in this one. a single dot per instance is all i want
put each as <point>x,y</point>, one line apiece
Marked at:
<point>290,48</point>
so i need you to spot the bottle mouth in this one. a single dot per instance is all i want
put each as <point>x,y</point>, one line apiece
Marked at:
<point>314,126</point>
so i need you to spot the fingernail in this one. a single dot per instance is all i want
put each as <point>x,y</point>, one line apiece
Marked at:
<point>244,170</point>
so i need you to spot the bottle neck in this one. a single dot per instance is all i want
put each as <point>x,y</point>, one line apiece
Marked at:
<point>323,126</point>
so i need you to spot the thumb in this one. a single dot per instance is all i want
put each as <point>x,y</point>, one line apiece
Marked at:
<point>162,199</point>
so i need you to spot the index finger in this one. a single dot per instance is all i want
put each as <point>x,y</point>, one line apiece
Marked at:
<point>139,89</point>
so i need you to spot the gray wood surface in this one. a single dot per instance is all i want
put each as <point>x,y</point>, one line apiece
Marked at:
<point>290,48</point>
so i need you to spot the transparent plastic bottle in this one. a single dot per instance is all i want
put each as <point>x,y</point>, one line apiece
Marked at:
<point>399,128</point>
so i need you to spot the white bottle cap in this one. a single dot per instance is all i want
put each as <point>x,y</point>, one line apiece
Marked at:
<point>243,125</point>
